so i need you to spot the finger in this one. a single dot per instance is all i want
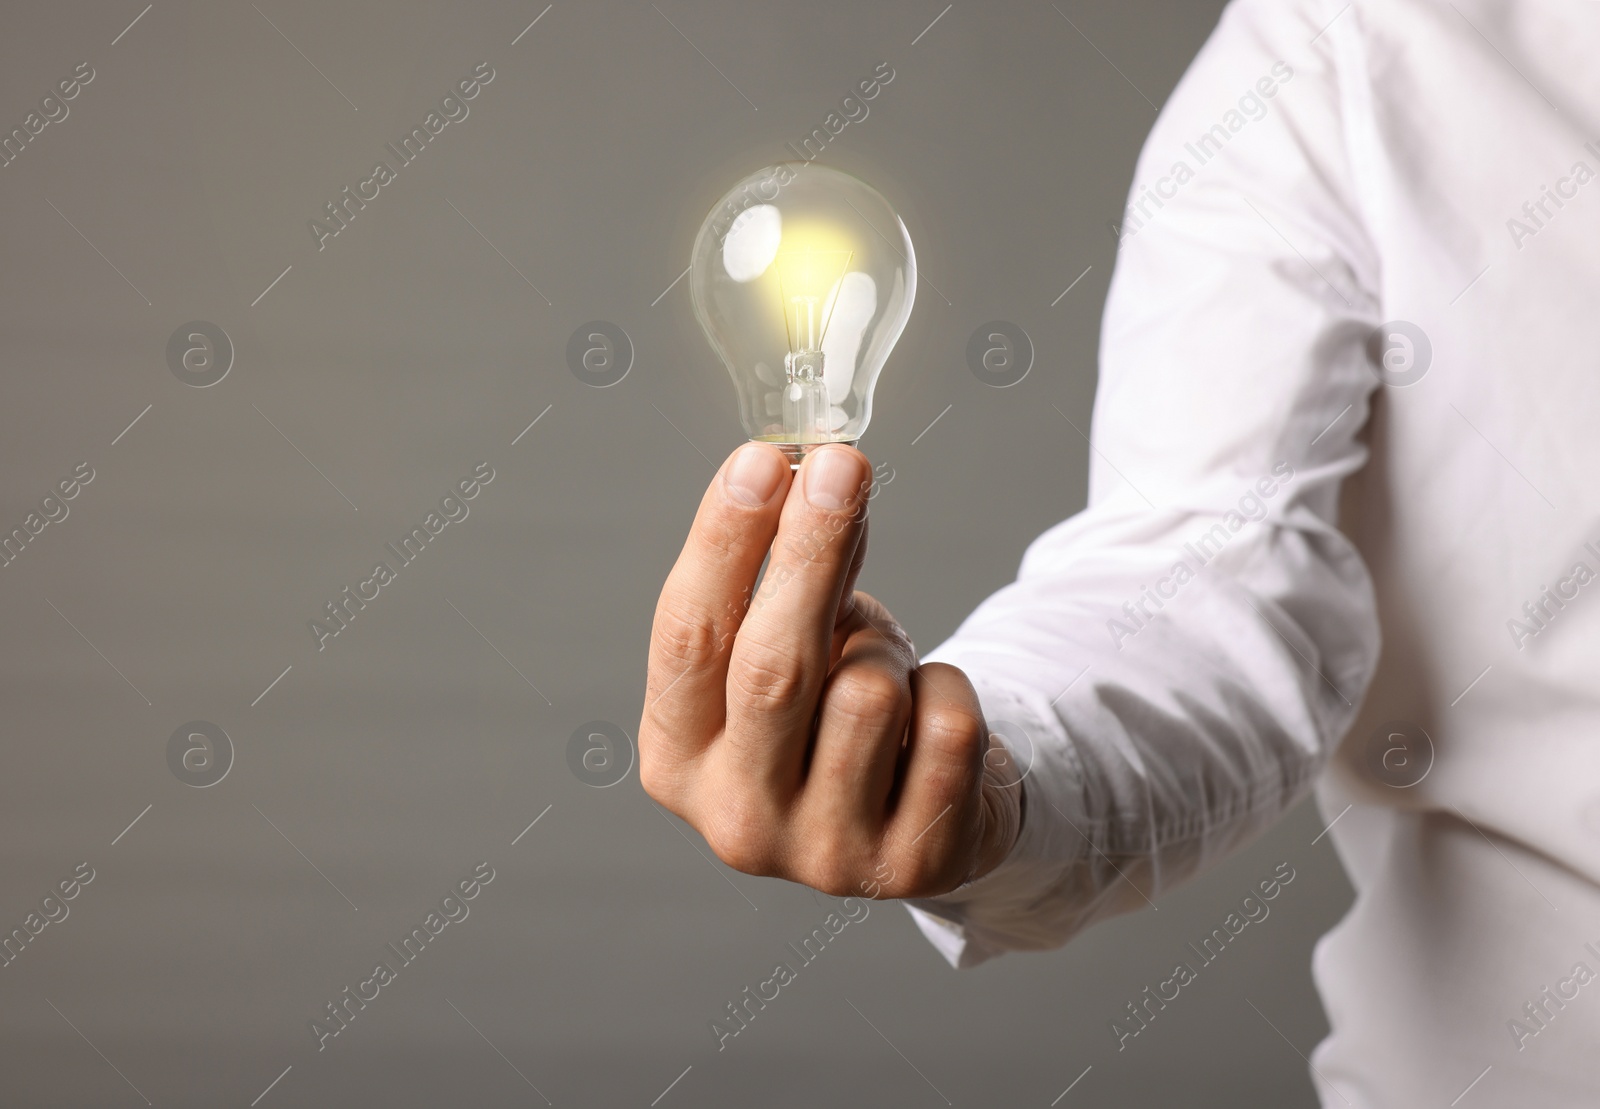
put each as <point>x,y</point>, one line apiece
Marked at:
<point>1003,802</point>
<point>861,723</point>
<point>781,653</point>
<point>704,601</point>
<point>847,593</point>
<point>930,834</point>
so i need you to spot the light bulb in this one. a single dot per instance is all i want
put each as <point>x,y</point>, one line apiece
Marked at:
<point>803,278</point>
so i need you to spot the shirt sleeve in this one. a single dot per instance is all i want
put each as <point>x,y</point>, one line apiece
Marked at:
<point>1174,664</point>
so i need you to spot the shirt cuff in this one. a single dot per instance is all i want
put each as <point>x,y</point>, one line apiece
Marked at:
<point>988,915</point>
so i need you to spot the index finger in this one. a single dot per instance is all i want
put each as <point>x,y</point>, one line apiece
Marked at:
<point>781,654</point>
<point>705,597</point>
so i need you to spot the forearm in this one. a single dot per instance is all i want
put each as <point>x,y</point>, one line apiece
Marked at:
<point>1157,740</point>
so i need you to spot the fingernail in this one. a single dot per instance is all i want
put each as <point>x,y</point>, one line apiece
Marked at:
<point>753,475</point>
<point>832,475</point>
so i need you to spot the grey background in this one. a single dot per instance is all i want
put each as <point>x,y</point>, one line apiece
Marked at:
<point>378,772</point>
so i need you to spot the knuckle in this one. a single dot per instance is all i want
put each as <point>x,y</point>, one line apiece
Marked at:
<point>911,874</point>
<point>667,757</point>
<point>877,614</point>
<point>740,854</point>
<point>721,534</point>
<point>767,682</point>
<point>833,865</point>
<point>956,733</point>
<point>925,869</point>
<point>920,877</point>
<point>867,698</point>
<point>656,776</point>
<point>880,878</point>
<point>743,835</point>
<point>685,639</point>
<point>842,884</point>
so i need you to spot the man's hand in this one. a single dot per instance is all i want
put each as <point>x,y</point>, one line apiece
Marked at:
<point>793,727</point>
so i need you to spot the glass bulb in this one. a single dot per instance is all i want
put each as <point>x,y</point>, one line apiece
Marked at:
<point>803,278</point>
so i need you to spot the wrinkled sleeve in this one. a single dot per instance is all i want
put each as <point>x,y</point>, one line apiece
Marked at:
<point>1174,664</point>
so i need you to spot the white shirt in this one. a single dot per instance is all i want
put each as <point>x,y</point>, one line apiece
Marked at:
<point>1425,172</point>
